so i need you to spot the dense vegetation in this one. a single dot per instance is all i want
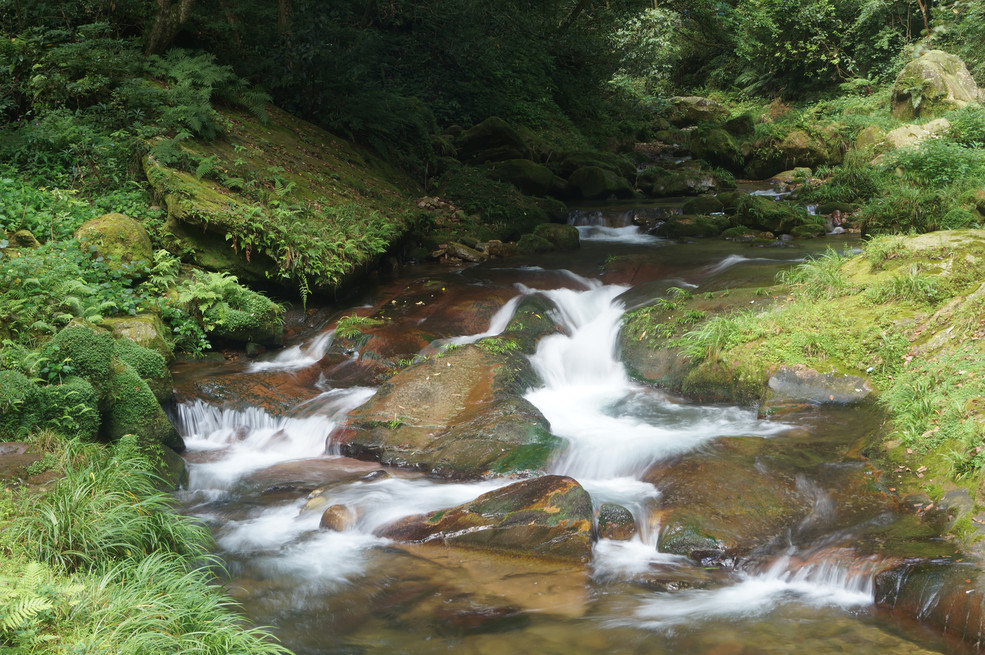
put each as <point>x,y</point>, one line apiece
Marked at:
<point>142,108</point>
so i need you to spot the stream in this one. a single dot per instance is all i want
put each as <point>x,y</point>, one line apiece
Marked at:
<point>808,582</point>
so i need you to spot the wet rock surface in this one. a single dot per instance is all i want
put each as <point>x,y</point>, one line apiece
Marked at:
<point>459,415</point>
<point>549,516</point>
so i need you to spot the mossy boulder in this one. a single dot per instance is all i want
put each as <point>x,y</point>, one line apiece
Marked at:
<point>528,176</point>
<point>685,180</point>
<point>547,517</point>
<point>120,240</point>
<point>610,161</point>
<point>742,125</point>
<point>691,110</point>
<point>533,243</point>
<point>931,85</point>
<point>146,330</point>
<point>869,137</point>
<point>596,183</point>
<point>491,140</point>
<point>135,410</point>
<point>764,214</point>
<point>703,204</point>
<point>20,406</point>
<point>717,147</point>
<point>24,239</point>
<point>243,315</point>
<point>562,237</point>
<point>82,351</point>
<point>690,225</point>
<point>798,148</point>
<point>907,136</point>
<point>149,365</point>
<point>460,415</point>
<point>724,501</point>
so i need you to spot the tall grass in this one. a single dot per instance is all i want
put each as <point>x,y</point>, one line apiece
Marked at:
<point>122,571</point>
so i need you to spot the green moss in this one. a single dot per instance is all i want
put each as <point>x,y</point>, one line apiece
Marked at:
<point>87,352</point>
<point>20,408</point>
<point>135,410</point>
<point>530,457</point>
<point>150,366</point>
<point>532,243</point>
<point>71,408</point>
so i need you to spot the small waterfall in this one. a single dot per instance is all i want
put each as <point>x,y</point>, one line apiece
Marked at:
<point>615,428</point>
<point>253,439</point>
<point>297,357</point>
<point>612,226</point>
<point>818,583</point>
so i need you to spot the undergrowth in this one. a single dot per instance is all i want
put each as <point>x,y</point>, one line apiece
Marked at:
<point>101,563</point>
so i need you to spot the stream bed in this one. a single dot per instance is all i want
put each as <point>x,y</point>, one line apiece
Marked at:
<point>822,562</point>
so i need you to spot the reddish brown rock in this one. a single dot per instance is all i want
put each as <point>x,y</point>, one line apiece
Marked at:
<point>549,517</point>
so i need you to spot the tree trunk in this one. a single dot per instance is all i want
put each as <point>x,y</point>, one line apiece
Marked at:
<point>171,17</point>
<point>285,17</point>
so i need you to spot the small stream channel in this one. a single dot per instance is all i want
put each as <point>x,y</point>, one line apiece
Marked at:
<point>812,587</point>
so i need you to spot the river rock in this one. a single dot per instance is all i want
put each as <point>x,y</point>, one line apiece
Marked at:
<point>722,503</point>
<point>935,83</point>
<point>616,522</point>
<point>549,517</point>
<point>562,237</point>
<point>687,179</point>
<point>610,161</point>
<point>703,204</point>
<point>528,176</point>
<point>691,110</point>
<point>338,518</point>
<point>491,140</point>
<point>912,135</point>
<point>120,240</point>
<point>799,384</point>
<point>145,330</point>
<point>717,147</point>
<point>463,252</point>
<point>461,415</point>
<point>596,183</point>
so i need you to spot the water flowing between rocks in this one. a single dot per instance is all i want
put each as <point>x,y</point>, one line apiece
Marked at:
<point>814,551</point>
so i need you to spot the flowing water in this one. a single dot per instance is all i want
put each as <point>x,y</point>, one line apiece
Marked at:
<point>810,590</point>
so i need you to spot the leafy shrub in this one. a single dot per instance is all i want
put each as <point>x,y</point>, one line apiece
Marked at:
<point>938,162</point>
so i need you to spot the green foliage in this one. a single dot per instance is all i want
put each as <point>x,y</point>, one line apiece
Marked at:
<point>968,126</point>
<point>504,211</point>
<point>79,351</point>
<point>938,163</point>
<point>351,327</point>
<point>937,400</point>
<point>105,512</point>
<point>101,563</point>
<point>820,277</point>
<point>499,345</point>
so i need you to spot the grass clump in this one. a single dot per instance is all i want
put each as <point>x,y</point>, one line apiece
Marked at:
<point>102,563</point>
<point>351,327</point>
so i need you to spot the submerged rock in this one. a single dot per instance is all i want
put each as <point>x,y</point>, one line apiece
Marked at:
<point>799,384</point>
<point>549,516</point>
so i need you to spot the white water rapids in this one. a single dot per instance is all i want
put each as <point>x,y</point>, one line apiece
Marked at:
<point>614,428</point>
